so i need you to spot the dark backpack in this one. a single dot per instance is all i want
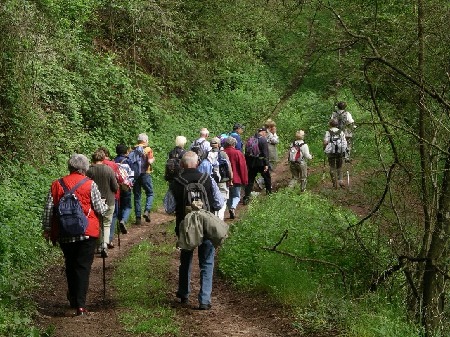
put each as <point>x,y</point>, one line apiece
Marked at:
<point>335,145</point>
<point>194,195</point>
<point>198,149</point>
<point>136,159</point>
<point>224,169</point>
<point>295,153</point>
<point>173,164</point>
<point>71,218</point>
<point>252,147</point>
<point>341,119</point>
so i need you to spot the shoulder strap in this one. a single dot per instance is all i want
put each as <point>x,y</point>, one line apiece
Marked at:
<point>66,190</point>
<point>203,178</point>
<point>181,180</point>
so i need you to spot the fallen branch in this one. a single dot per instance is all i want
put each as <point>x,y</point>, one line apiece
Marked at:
<point>304,259</point>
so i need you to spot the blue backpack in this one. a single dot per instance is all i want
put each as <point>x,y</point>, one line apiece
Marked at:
<point>136,160</point>
<point>72,220</point>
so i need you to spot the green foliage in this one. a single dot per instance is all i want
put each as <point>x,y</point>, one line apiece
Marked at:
<point>141,282</point>
<point>319,269</point>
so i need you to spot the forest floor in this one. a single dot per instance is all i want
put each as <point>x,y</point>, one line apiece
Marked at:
<point>233,313</point>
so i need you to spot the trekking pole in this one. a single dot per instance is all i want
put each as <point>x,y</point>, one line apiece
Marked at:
<point>323,169</point>
<point>104,258</point>
<point>118,232</point>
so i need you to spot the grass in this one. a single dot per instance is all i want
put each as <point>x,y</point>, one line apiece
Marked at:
<point>141,284</point>
<point>320,268</point>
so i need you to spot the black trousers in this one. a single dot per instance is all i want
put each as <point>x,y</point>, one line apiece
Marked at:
<point>78,257</point>
<point>252,173</point>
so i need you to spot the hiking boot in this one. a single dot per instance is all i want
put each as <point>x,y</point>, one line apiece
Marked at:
<point>110,245</point>
<point>246,200</point>
<point>204,306</point>
<point>147,216</point>
<point>122,228</point>
<point>184,300</point>
<point>232,213</point>
<point>138,221</point>
<point>82,312</point>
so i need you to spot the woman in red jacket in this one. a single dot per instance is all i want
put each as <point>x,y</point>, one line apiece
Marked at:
<point>78,250</point>
<point>240,174</point>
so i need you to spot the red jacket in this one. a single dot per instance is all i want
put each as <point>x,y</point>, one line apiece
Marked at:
<point>115,168</point>
<point>239,166</point>
<point>83,194</point>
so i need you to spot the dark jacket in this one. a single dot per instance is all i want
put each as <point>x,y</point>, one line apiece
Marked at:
<point>263,159</point>
<point>191,175</point>
<point>105,178</point>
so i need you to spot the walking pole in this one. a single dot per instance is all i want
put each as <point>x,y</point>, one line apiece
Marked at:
<point>104,258</point>
<point>323,168</point>
<point>118,232</point>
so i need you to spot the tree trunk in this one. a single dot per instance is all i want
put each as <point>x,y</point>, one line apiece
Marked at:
<point>434,278</point>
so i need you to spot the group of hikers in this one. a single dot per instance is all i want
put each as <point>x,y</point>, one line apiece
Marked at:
<point>84,206</point>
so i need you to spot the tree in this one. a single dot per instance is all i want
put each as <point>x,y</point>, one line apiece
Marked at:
<point>420,121</point>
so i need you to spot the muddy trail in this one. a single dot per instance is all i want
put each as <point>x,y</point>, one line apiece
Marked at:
<point>233,313</point>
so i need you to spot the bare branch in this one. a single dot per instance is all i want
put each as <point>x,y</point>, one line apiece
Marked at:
<point>305,259</point>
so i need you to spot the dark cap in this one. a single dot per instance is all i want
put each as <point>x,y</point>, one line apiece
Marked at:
<point>238,126</point>
<point>262,129</point>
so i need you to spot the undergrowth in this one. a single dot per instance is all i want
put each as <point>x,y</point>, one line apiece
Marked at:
<point>298,248</point>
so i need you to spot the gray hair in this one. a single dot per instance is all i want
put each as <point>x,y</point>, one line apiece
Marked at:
<point>142,137</point>
<point>204,132</point>
<point>78,163</point>
<point>189,160</point>
<point>230,141</point>
<point>180,141</point>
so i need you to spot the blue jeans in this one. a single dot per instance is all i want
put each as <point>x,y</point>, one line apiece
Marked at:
<point>125,206</point>
<point>122,211</point>
<point>143,181</point>
<point>235,196</point>
<point>206,263</point>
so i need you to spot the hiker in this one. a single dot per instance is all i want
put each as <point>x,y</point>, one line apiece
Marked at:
<point>206,250</point>
<point>173,167</point>
<point>124,193</point>
<point>115,167</point>
<point>272,140</point>
<point>142,177</point>
<point>257,159</point>
<point>202,141</point>
<point>334,145</point>
<point>240,174</point>
<point>105,178</point>
<point>238,129</point>
<point>222,181</point>
<point>345,124</point>
<point>78,250</point>
<point>298,157</point>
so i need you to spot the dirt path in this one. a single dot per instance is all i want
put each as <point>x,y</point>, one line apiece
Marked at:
<point>233,314</point>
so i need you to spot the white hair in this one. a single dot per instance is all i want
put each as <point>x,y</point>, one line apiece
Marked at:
<point>204,132</point>
<point>180,141</point>
<point>142,137</point>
